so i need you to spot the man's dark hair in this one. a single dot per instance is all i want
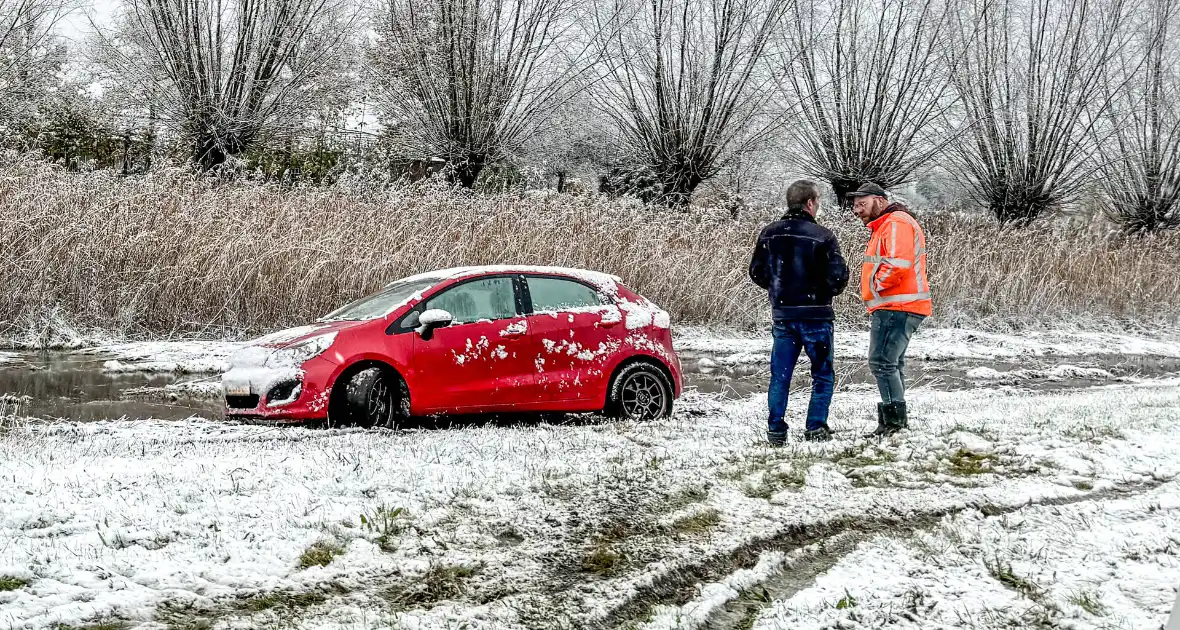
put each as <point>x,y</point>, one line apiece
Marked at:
<point>800,193</point>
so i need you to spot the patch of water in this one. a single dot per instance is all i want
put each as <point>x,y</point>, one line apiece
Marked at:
<point>66,385</point>
<point>74,385</point>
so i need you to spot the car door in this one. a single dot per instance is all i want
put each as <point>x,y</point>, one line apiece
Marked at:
<point>479,363</point>
<point>574,332</point>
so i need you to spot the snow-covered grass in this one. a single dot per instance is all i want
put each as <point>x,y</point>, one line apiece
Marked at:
<point>540,525</point>
<point>1094,564</point>
<point>169,254</point>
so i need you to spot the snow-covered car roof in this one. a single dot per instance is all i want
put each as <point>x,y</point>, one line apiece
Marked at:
<point>597,278</point>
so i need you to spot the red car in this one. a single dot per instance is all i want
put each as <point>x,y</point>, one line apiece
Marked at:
<point>464,341</point>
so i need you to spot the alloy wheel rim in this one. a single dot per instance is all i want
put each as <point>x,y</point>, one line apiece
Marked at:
<point>380,405</point>
<point>643,397</point>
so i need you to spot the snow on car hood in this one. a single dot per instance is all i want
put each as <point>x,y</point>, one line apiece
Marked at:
<point>278,356</point>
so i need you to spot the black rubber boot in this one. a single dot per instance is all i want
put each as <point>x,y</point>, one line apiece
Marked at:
<point>822,434</point>
<point>895,418</point>
<point>776,439</point>
<point>880,422</point>
<point>901,414</point>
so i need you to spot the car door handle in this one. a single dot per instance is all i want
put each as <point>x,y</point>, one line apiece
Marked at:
<point>607,323</point>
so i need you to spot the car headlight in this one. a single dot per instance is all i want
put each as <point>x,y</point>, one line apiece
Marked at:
<point>302,351</point>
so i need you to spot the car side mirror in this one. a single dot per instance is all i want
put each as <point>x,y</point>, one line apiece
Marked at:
<point>431,319</point>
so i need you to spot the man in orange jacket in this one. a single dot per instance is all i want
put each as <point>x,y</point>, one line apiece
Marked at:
<point>894,288</point>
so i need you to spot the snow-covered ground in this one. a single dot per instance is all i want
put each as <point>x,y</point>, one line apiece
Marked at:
<point>593,523</point>
<point>937,344</point>
<point>1093,564</point>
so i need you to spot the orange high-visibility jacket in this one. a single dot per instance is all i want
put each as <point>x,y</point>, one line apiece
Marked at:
<point>893,276</point>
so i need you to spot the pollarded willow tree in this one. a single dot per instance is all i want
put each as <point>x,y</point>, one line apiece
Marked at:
<point>870,81</point>
<point>226,74</point>
<point>1140,162</point>
<point>1031,85</point>
<point>471,81</point>
<point>688,84</point>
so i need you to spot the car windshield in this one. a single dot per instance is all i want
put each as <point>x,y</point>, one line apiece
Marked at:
<point>382,303</point>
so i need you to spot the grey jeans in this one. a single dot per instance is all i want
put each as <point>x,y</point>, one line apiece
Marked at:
<point>888,340</point>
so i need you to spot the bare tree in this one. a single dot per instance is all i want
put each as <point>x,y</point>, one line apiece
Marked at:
<point>227,73</point>
<point>688,84</point>
<point>1031,80</point>
<point>25,25</point>
<point>1140,164</point>
<point>28,54</point>
<point>870,80</point>
<point>471,81</point>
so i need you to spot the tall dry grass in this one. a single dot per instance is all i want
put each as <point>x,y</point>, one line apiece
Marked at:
<point>168,255</point>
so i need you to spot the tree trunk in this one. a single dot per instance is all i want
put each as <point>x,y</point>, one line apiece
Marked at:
<point>466,172</point>
<point>678,189</point>
<point>843,186</point>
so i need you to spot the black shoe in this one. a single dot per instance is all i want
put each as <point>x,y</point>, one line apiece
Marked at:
<point>822,434</point>
<point>879,431</point>
<point>776,439</point>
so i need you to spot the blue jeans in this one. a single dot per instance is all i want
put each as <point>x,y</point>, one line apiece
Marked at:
<point>790,337</point>
<point>888,339</point>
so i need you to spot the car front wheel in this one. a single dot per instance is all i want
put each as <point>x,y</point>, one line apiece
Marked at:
<point>639,391</point>
<point>373,398</point>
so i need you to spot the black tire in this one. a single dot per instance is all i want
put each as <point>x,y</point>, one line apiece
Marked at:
<point>639,391</point>
<point>373,398</point>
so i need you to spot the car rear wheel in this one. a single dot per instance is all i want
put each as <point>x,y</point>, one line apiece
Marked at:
<point>373,398</point>
<point>639,391</point>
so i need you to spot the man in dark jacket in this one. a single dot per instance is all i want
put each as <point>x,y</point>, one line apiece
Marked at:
<point>800,264</point>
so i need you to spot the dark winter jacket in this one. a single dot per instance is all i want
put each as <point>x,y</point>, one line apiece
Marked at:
<point>799,262</point>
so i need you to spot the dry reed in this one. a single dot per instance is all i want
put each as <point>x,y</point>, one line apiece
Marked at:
<point>169,255</point>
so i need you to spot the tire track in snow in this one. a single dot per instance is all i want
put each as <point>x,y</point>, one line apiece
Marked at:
<point>817,547</point>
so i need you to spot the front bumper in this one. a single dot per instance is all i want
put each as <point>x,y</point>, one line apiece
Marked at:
<point>259,394</point>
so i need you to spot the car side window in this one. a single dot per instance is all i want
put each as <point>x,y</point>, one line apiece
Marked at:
<point>556,294</point>
<point>488,298</point>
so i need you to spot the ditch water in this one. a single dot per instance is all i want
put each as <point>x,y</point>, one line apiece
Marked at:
<point>69,385</point>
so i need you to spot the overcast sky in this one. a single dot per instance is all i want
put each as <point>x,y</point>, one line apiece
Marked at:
<point>77,25</point>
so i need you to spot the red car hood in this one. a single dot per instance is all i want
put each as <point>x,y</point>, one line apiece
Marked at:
<point>292,336</point>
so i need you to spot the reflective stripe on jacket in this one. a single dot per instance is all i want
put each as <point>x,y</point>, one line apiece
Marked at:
<point>893,276</point>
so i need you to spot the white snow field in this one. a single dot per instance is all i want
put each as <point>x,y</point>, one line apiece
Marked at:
<point>589,524</point>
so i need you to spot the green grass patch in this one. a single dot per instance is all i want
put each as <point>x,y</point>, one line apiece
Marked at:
<point>602,559</point>
<point>848,601</point>
<point>10,583</point>
<point>1003,572</point>
<point>386,523</point>
<point>1089,601</point>
<point>779,478</point>
<point>320,554</point>
<point>441,582</point>
<point>281,600</point>
<point>697,523</point>
<point>686,496</point>
<point>110,624</point>
<point>965,463</point>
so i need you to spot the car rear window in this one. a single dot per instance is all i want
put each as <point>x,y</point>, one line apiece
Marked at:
<point>557,294</point>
